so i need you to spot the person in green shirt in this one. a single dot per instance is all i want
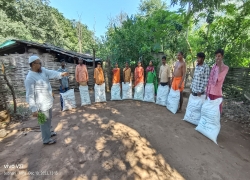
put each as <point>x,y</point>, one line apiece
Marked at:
<point>151,76</point>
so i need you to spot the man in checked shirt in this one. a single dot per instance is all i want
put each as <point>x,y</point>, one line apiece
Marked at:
<point>201,75</point>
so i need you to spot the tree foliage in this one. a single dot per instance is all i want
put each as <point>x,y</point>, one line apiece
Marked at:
<point>199,5</point>
<point>35,20</point>
<point>219,25</point>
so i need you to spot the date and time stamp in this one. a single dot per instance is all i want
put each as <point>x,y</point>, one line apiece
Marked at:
<point>17,169</point>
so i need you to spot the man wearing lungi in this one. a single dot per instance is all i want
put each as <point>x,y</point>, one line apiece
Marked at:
<point>179,77</point>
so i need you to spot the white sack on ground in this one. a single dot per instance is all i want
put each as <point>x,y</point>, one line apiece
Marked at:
<point>193,111</point>
<point>162,95</point>
<point>100,95</point>
<point>209,124</point>
<point>84,94</point>
<point>69,101</point>
<point>127,91</point>
<point>139,91</point>
<point>173,100</point>
<point>149,95</point>
<point>116,92</point>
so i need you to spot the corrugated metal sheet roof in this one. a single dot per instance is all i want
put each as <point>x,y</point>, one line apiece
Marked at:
<point>47,47</point>
<point>7,43</point>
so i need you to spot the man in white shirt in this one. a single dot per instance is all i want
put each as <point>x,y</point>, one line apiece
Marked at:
<point>164,73</point>
<point>39,94</point>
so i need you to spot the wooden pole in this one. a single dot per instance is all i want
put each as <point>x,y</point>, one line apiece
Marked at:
<point>93,67</point>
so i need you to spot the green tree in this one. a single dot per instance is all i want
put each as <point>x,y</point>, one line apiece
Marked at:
<point>35,20</point>
<point>147,7</point>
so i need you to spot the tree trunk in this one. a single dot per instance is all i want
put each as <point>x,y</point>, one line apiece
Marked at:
<point>10,87</point>
<point>190,49</point>
<point>94,58</point>
<point>188,11</point>
<point>208,28</point>
<point>80,38</point>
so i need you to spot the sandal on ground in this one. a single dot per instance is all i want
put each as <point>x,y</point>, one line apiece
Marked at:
<point>52,141</point>
<point>53,134</point>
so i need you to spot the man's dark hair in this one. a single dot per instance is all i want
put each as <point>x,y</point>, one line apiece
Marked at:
<point>181,53</point>
<point>201,55</point>
<point>221,51</point>
<point>163,57</point>
<point>62,60</point>
<point>31,64</point>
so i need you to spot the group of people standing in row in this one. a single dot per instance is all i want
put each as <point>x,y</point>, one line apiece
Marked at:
<point>165,75</point>
<point>39,91</point>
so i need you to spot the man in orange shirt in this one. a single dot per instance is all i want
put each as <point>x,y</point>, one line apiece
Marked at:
<point>81,73</point>
<point>98,74</point>
<point>116,74</point>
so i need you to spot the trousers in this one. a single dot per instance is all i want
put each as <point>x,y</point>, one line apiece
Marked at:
<point>61,99</point>
<point>45,128</point>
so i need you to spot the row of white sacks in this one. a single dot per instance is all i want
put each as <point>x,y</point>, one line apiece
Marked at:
<point>203,113</point>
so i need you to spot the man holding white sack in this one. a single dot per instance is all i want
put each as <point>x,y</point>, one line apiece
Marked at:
<point>209,124</point>
<point>100,95</point>
<point>198,86</point>
<point>64,82</point>
<point>178,78</point>
<point>82,77</point>
<point>39,94</point>
<point>164,83</point>
<point>127,84</point>
<point>116,86</point>
<point>217,77</point>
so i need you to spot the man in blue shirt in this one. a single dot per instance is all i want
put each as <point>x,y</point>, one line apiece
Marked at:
<point>64,82</point>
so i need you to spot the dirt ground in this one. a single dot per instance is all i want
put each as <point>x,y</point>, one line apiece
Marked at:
<point>121,140</point>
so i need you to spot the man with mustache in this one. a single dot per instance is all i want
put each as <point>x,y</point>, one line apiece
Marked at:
<point>39,94</point>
